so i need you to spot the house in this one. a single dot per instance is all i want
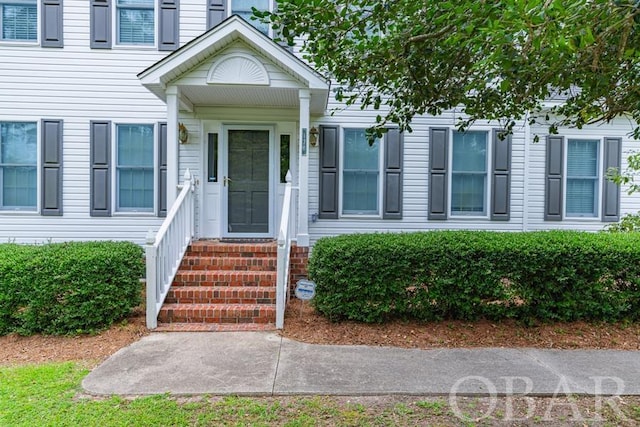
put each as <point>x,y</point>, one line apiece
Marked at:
<point>169,121</point>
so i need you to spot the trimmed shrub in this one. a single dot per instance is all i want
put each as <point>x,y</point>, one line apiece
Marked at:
<point>68,288</point>
<point>538,276</point>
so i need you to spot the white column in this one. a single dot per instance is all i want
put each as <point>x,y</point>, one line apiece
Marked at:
<point>302,238</point>
<point>172,144</point>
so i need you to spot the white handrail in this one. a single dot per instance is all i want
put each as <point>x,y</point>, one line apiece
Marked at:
<point>284,251</point>
<point>165,249</point>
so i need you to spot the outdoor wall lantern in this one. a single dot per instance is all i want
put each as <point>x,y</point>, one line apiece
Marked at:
<point>313,136</point>
<point>183,133</point>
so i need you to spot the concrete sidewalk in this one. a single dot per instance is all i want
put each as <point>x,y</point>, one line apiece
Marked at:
<point>263,363</point>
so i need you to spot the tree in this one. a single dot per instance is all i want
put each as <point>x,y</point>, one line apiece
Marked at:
<point>491,59</point>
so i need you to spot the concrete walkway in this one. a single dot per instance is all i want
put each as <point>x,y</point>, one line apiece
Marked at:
<point>263,363</point>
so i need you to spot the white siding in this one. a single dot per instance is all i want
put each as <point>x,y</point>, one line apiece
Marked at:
<point>79,84</point>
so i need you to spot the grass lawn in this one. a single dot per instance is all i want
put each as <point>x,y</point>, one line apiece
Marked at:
<point>50,395</point>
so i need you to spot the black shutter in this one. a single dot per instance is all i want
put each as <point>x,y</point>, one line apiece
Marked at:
<point>216,12</point>
<point>100,162</point>
<point>100,36</point>
<point>162,169</point>
<point>611,191</point>
<point>438,165</point>
<point>393,153</point>
<point>329,176</point>
<point>169,25</point>
<point>51,32</point>
<point>554,176</point>
<point>51,198</point>
<point>501,177</point>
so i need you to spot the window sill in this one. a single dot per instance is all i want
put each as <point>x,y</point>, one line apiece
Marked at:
<point>469,217</point>
<point>582,218</point>
<point>135,47</point>
<point>360,216</point>
<point>18,212</point>
<point>18,43</point>
<point>134,214</point>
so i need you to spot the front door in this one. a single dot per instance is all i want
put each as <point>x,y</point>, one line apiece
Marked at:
<point>247,182</point>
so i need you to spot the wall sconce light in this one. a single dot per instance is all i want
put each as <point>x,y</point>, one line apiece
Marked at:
<point>183,133</point>
<point>313,136</point>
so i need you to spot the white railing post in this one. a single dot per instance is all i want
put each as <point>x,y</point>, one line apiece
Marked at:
<point>151,255</point>
<point>284,250</point>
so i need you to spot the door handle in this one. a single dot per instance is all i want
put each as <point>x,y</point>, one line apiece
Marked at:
<point>226,180</point>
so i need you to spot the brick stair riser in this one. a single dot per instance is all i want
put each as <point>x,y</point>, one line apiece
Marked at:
<point>201,263</point>
<point>219,278</point>
<point>240,251</point>
<point>202,313</point>
<point>225,295</point>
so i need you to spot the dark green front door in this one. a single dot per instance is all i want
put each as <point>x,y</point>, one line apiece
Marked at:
<point>248,185</point>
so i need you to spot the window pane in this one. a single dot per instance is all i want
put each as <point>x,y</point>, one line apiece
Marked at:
<point>212,158</point>
<point>285,152</point>
<point>243,9</point>
<point>137,3</point>
<point>135,188</point>
<point>582,158</point>
<point>18,174</point>
<point>136,25</point>
<point>581,194</point>
<point>470,152</point>
<point>358,154</point>
<point>135,185</point>
<point>469,174</point>
<point>467,194</point>
<point>19,21</point>
<point>360,173</point>
<point>135,145</point>
<point>582,177</point>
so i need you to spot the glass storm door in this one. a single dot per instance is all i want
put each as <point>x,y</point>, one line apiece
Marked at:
<point>247,182</point>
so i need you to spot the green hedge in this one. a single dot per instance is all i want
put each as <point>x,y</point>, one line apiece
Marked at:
<point>68,288</point>
<point>538,276</point>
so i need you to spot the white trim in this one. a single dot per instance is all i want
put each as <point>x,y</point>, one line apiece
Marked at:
<point>341,157</point>
<point>598,202</point>
<point>223,150</point>
<point>525,184</point>
<point>487,182</point>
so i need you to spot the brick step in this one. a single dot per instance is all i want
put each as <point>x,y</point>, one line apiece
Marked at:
<point>215,327</point>
<point>221,295</point>
<point>217,313</point>
<point>199,263</point>
<point>245,250</point>
<point>225,278</point>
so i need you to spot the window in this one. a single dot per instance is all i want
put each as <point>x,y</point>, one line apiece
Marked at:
<point>134,168</point>
<point>469,173</point>
<point>18,165</point>
<point>135,22</point>
<point>243,9</point>
<point>361,174</point>
<point>18,20</point>
<point>582,178</point>
<point>285,153</point>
